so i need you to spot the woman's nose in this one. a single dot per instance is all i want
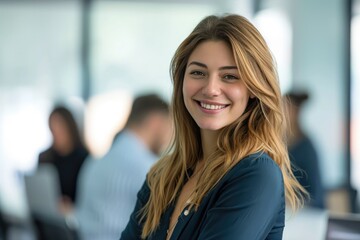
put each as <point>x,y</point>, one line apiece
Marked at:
<point>212,87</point>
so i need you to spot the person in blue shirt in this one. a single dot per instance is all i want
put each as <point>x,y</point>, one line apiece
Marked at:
<point>227,172</point>
<point>108,186</point>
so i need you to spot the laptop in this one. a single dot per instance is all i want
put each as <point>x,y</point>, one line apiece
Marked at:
<point>43,191</point>
<point>43,195</point>
<point>346,227</point>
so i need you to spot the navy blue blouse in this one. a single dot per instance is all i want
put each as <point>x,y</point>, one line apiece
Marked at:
<point>248,203</point>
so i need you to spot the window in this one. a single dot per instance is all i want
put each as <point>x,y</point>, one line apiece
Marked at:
<point>39,63</point>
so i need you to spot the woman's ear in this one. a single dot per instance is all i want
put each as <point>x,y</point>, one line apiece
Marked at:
<point>252,96</point>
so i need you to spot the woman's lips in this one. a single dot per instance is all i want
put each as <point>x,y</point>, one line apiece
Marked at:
<point>211,107</point>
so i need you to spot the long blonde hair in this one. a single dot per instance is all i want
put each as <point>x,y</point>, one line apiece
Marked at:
<point>261,128</point>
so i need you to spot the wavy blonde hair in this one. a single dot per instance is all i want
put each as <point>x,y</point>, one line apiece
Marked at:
<point>261,128</point>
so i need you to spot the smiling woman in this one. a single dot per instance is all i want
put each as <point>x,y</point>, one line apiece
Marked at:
<point>214,94</point>
<point>227,173</point>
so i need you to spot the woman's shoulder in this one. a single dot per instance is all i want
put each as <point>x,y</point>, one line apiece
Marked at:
<point>259,159</point>
<point>144,192</point>
<point>256,176</point>
<point>46,156</point>
<point>256,164</point>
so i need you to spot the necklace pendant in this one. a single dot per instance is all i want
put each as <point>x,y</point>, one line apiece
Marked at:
<point>186,212</point>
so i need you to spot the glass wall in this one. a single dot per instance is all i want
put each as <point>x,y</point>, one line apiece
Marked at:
<point>39,65</point>
<point>132,43</point>
<point>275,25</point>
<point>319,44</point>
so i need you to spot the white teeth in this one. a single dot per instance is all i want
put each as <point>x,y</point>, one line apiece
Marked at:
<point>211,106</point>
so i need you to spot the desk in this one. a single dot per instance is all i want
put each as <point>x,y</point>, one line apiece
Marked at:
<point>307,223</point>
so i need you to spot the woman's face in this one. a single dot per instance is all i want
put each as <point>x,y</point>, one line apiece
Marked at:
<point>59,130</point>
<point>214,94</point>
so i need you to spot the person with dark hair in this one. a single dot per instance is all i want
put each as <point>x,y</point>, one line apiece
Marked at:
<point>67,151</point>
<point>302,151</point>
<point>108,186</point>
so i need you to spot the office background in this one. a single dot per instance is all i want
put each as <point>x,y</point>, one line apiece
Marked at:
<point>89,53</point>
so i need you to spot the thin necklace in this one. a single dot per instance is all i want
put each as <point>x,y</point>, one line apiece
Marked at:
<point>170,230</point>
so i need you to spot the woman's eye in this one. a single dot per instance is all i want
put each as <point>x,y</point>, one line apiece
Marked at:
<point>230,77</point>
<point>197,73</point>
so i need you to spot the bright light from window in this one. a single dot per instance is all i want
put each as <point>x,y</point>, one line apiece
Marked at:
<point>134,43</point>
<point>105,115</point>
<point>275,27</point>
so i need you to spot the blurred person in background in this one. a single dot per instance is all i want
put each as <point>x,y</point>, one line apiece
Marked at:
<point>67,152</point>
<point>302,151</point>
<point>228,171</point>
<point>108,186</point>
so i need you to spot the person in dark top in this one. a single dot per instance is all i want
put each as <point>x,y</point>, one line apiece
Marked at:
<point>227,172</point>
<point>67,152</point>
<point>302,152</point>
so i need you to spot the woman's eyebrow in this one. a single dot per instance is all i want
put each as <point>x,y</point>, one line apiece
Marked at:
<point>228,68</point>
<point>205,66</point>
<point>197,64</point>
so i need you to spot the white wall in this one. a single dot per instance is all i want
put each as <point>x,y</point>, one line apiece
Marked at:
<point>318,66</point>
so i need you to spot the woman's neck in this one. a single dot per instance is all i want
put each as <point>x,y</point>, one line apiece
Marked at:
<point>208,142</point>
<point>63,149</point>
